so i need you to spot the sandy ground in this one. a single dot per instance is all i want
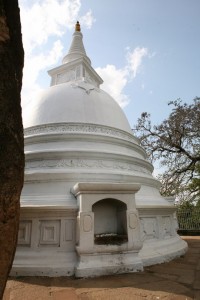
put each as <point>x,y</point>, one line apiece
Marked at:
<point>177,280</point>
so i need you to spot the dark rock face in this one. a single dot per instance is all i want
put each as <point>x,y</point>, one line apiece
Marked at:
<point>11,133</point>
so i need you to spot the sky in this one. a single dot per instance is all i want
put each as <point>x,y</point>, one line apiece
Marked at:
<point>146,51</point>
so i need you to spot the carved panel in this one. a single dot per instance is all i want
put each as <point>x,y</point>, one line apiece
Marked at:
<point>149,228</point>
<point>24,233</point>
<point>89,78</point>
<point>65,77</point>
<point>133,220</point>
<point>167,226</point>
<point>78,72</point>
<point>69,230</point>
<point>175,221</point>
<point>49,232</point>
<point>87,223</point>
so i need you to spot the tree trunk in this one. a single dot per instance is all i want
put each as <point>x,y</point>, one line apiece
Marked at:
<point>11,133</point>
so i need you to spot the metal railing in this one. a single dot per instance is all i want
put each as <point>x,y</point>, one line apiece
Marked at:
<point>189,219</point>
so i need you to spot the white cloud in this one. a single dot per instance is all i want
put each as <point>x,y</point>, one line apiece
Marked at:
<point>114,82</point>
<point>134,60</point>
<point>46,18</point>
<point>40,62</point>
<point>32,67</point>
<point>41,20</point>
<point>87,20</point>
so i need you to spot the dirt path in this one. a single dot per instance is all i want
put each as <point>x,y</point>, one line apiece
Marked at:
<point>177,280</point>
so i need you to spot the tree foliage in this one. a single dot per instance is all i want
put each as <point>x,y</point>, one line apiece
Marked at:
<point>175,143</point>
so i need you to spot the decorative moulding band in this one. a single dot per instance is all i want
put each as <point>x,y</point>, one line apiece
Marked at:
<point>61,175</point>
<point>47,211</point>
<point>86,164</point>
<point>105,188</point>
<point>79,128</point>
<point>151,209</point>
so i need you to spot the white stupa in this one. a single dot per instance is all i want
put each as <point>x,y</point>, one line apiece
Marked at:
<point>90,205</point>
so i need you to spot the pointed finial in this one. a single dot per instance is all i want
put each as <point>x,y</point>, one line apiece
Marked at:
<point>77,27</point>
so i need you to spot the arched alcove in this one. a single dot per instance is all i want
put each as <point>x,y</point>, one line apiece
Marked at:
<point>110,222</point>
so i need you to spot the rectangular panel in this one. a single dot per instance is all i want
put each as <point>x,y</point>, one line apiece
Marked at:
<point>167,226</point>
<point>49,232</point>
<point>69,230</point>
<point>24,233</point>
<point>149,228</point>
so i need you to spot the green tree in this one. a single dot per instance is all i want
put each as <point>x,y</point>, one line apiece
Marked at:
<point>175,143</point>
<point>11,133</point>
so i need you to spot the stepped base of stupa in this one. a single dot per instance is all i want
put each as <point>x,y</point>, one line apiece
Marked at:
<point>51,249</point>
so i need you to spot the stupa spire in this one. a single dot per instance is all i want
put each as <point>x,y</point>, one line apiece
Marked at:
<point>77,49</point>
<point>76,65</point>
<point>77,26</point>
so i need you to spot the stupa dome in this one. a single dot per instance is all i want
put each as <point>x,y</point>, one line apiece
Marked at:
<point>90,205</point>
<point>78,102</point>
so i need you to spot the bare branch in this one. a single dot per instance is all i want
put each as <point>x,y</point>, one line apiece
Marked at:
<point>175,143</point>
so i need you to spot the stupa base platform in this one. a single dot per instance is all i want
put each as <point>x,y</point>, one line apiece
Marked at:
<point>107,264</point>
<point>55,263</point>
<point>160,251</point>
<point>43,263</point>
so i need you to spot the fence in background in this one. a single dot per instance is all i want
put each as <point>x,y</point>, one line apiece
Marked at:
<point>189,220</point>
